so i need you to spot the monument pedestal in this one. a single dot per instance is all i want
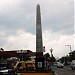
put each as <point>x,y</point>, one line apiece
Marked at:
<point>39,61</point>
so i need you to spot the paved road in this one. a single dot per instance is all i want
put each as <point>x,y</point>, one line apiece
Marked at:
<point>64,71</point>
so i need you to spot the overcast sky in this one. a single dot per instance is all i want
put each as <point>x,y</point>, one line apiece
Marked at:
<point>18,25</point>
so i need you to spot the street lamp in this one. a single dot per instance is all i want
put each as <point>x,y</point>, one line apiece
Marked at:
<point>51,50</point>
<point>70,47</point>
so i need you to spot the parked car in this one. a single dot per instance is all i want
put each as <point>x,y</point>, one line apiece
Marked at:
<point>6,70</point>
<point>73,64</point>
<point>60,65</point>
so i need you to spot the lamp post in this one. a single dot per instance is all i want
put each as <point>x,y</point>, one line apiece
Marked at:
<point>51,50</point>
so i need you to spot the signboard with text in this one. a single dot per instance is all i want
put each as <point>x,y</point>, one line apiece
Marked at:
<point>22,51</point>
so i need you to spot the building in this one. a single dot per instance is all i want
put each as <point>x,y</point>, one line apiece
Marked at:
<point>16,53</point>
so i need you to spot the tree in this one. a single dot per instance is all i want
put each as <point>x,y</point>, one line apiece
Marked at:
<point>52,59</point>
<point>1,49</point>
<point>47,55</point>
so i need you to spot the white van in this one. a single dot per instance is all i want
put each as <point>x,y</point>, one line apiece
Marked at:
<point>60,65</point>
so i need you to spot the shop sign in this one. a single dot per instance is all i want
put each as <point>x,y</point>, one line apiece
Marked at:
<point>22,51</point>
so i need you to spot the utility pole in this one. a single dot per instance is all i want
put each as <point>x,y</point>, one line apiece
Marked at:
<point>70,47</point>
<point>70,51</point>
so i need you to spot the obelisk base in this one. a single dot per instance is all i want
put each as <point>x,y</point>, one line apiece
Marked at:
<point>39,61</point>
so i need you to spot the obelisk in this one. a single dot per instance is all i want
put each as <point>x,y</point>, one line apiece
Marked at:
<point>39,43</point>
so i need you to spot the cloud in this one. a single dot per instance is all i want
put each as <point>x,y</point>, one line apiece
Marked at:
<point>56,15</point>
<point>21,40</point>
<point>58,41</point>
<point>15,16</point>
<point>3,39</point>
<point>24,40</point>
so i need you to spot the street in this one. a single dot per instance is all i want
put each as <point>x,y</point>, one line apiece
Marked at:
<point>64,71</point>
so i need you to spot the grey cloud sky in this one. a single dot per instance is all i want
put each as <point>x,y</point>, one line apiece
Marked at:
<point>60,16</point>
<point>17,16</point>
<point>56,16</point>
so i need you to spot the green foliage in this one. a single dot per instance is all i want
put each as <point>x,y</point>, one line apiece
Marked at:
<point>51,59</point>
<point>47,55</point>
